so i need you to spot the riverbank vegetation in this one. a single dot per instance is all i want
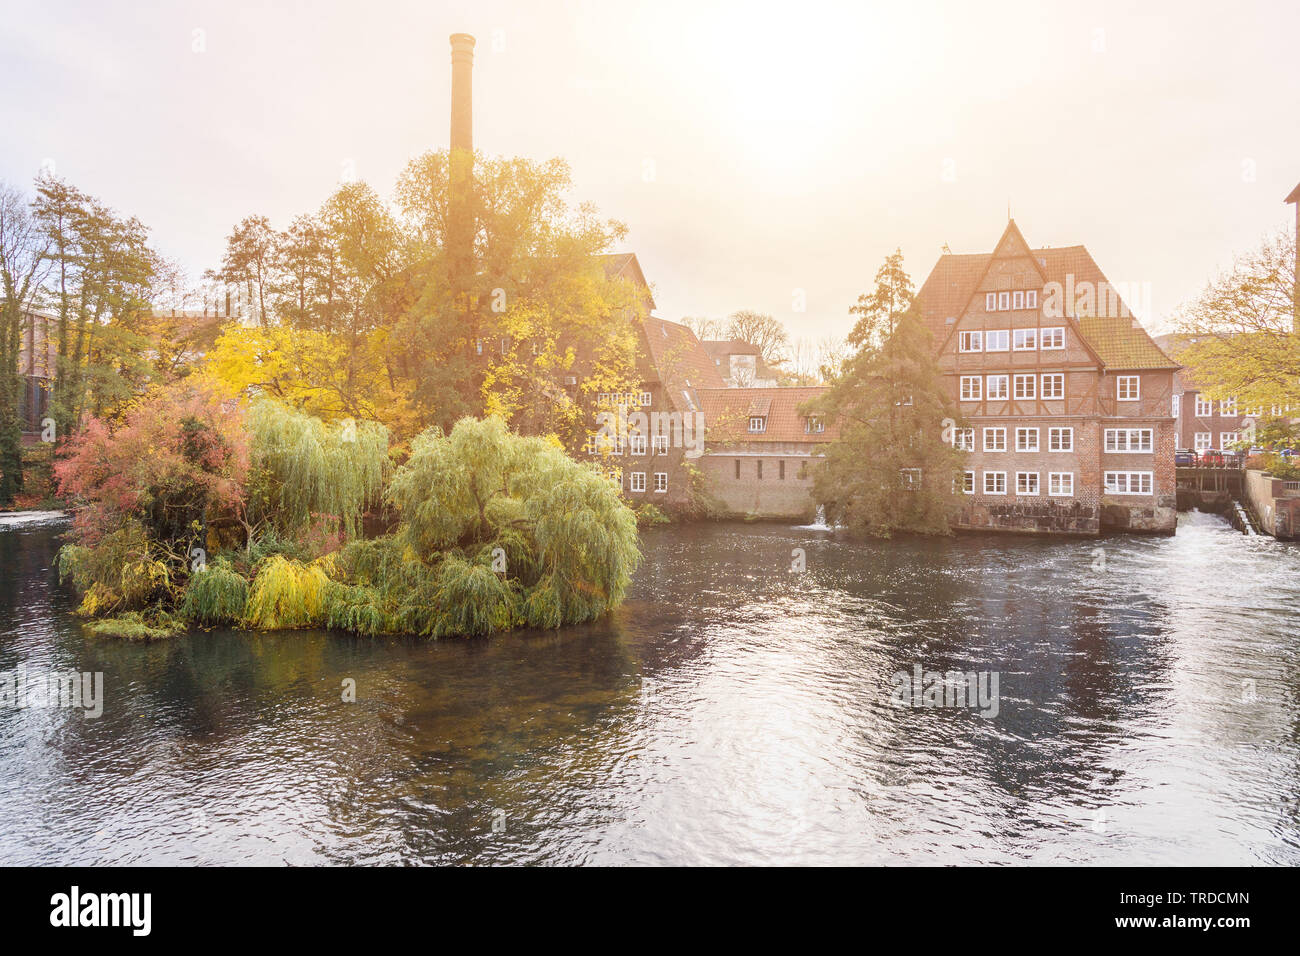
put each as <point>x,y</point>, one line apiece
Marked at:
<point>893,467</point>
<point>198,511</point>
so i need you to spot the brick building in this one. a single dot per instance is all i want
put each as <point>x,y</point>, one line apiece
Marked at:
<point>760,452</point>
<point>739,363</point>
<point>1067,401</point>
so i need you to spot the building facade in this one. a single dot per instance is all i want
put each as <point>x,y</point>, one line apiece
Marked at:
<point>1066,401</point>
<point>739,363</point>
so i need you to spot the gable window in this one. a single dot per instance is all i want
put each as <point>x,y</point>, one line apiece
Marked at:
<point>970,341</point>
<point>1031,299</point>
<point>1202,440</point>
<point>813,424</point>
<point>1026,482</point>
<point>1024,386</point>
<point>990,301</point>
<point>1121,440</point>
<point>998,387</point>
<point>1024,340</point>
<point>963,439</point>
<point>638,481</point>
<point>1060,439</point>
<point>1004,301</point>
<point>1204,407</point>
<point>661,481</point>
<point>1054,385</point>
<point>1017,300</point>
<point>757,423</point>
<point>970,388</point>
<point>997,340</point>
<point>1053,338</point>
<point>1127,482</point>
<point>1060,484</point>
<point>1026,439</point>
<point>995,439</point>
<point>1128,387</point>
<point>995,482</point>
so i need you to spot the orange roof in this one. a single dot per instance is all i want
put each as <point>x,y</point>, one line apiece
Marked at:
<point>727,412</point>
<point>1120,342</point>
<point>674,358</point>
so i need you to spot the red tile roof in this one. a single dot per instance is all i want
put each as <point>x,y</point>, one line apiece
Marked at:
<point>718,347</point>
<point>674,358</point>
<point>727,412</point>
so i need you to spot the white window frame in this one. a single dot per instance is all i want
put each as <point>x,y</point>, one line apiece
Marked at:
<point>1228,438</point>
<point>1024,340</point>
<point>1055,335</point>
<point>1204,407</point>
<point>999,434</point>
<point>1202,440</point>
<point>1128,441</point>
<point>637,481</point>
<point>1004,301</point>
<point>1054,436</point>
<point>762,424</point>
<point>659,445</point>
<point>1133,391</point>
<point>1064,489</point>
<point>1177,406</point>
<point>1018,299</point>
<point>1026,487</point>
<point>911,478</point>
<point>1031,298</point>
<point>995,475</point>
<point>990,301</point>
<point>636,444</point>
<point>661,482</point>
<point>1056,391</point>
<point>1228,406</point>
<point>970,341</point>
<point>968,483</point>
<point>963,439</point>
<point>998,394</point>
<point>1024,386</point>
<point>1000,336</point>
<point>1122,483</point>
<point>1026,433</point>
<point>972,388</point>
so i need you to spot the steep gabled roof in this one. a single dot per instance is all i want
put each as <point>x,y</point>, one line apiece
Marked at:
<point>674,358</point>
<point>1120,342</point>
<point>624,265</point>
<point>720,347</point>
<point>727,412</point>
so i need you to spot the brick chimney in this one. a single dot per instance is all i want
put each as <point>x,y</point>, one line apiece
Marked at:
<point>460,224</point>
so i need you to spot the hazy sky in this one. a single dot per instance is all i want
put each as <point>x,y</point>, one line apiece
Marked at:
<point>752,148</point>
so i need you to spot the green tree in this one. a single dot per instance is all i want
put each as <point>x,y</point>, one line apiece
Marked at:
<point>892,467</point>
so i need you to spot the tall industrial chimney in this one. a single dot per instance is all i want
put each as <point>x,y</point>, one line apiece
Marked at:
<point>460,212</point>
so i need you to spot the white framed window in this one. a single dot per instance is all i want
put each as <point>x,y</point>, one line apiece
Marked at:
<point>997,340</point>
<point>1004,301</point>
<point>911,478</point>
<point>1026,482</point>
<point>1031,299</point>
<point>990,301</point>
<point>998,386</point>
<point>659,444</point>
<point>1024,340</point>
<point>636,445</point>
<point>995,482</point>
<point>1060,439</point>
<point>1017,300</point>
<point>813,424</point>
<point>615,475</point>
<point>661,481</point>
<point>638,481</point>
<point>968,483</point>
<point>963,439</point>
<point>1204,407</point>
<point>1025,386</point>
<point>1228,406</point>
<point>1202,440</point>
<point>1127,482</point>
<point>757,423</point>
<point>1060,484</point>
<point>970,341</point>
<point>1026,439</point>
<point>1178,404</point>
<point>995,439</point>
<point>970,388</point>
<point>1053,385</point>
<point>1228,439</point>
<point>1053,338</point>
<point>1128,388</point>
<point>1128,440</point>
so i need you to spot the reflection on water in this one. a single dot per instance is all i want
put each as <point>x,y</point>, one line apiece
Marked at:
<point>733,711</point>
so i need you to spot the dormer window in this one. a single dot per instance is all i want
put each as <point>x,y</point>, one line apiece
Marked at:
<point>757,423</point>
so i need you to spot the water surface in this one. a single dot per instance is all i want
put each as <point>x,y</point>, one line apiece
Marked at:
<point>733,711</point>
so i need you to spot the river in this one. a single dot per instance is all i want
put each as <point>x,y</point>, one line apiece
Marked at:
<point>734,710</point>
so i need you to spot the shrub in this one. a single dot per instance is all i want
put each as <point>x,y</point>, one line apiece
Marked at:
<point>215,596</point>
<point>287,594</point>
<point>136,626</point>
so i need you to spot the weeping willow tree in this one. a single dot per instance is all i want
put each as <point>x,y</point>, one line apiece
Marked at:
<point>305,469</point>
<point>496,531</point>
